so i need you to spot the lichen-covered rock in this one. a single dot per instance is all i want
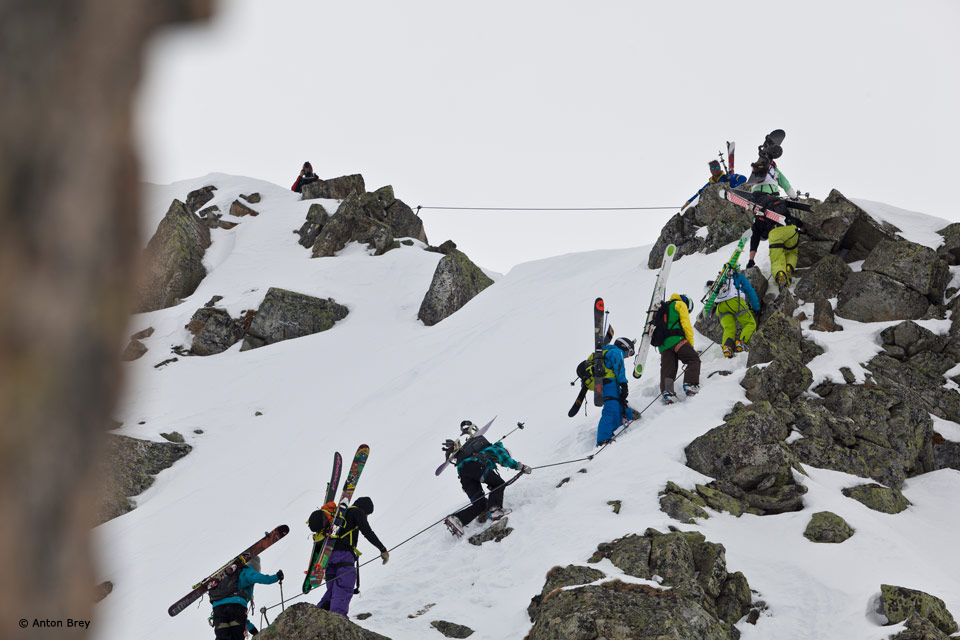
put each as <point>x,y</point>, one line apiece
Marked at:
<point>825,526</point>
<point>868,296</point>
<point>456,282</point>
<point>317,216</point>
<point>405,223</point>
<point>780,339</point>
<point>921,629</point>
<point>946,454</point>
<point>825,279</point>
<point>747,448</point>
<point>950,249</point>
<point>878,498</point>
<point>199,197</point>
<point>335,188</point>
<point>214,331</point>
<point>173,260</point>
<point>129,469</point>
<point>359,218</point>
<point>919,378</point>
<point>304,621</point>
<point>823,318</point>
<point>910,339</point>
<point>495,533</point>
<point>452,630</point>
<point>899,603</point>
<point>681,504</point>
<point>915,265</point>
<point>851,229</point>
<point>253,198</point>
<point>284,315</point>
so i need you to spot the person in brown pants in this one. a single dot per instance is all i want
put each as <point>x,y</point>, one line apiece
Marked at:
<point>678,347</point>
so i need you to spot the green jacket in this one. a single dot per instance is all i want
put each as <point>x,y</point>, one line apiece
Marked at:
<point>678,323</point>
<point>774,178</point>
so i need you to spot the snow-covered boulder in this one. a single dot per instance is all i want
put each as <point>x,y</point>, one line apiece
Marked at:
<point>827,527</point>
<point>899,604</point>
<point>214,331</point>
<point>128,470</point>
<point>286,314</point>
<point>173,260</point>
<point>199,197</point>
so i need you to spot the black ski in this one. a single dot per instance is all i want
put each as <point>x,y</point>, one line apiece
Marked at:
<point>583,387</point>
<point>598,368</point>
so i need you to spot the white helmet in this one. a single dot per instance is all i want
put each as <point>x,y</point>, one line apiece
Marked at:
<point>625,344</point>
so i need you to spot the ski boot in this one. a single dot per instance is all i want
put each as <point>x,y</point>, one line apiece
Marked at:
<point>789,273</point>
<point>740,347</point>
<point>729,347</point>
<point>691,389</point>
<point>669,398</point>
<point>454,525</point>
<point>498,512</point>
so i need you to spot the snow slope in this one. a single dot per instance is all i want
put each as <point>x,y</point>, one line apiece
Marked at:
<point>382,378</point>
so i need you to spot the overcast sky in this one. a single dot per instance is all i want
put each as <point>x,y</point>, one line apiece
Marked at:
<point>560,103</point>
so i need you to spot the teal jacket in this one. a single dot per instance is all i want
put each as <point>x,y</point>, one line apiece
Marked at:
<point>248,578</point>
<point>495,454</point>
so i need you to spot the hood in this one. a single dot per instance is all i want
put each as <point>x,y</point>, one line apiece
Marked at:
<point>365,504</point>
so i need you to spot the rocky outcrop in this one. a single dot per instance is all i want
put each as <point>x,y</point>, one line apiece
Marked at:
<point>899,604</point>
<point>949,251</point>
<point>823,316</point>
<point>703,601</point>
<point>780,342</point>
<point>173,260</point>
<point>335,188</point>
<point>456,282</point>
<point>824,280</point>
<point>375,219</point>
<point>285,314</point>
<point>853,232</point>
<point>199,197</point>
<point>130,469</point>
<point>724,223</point>
<point>317,216</point>
<point>496,533</point>
<point>825,526</point>
<point>882,499</point>
<point>214,331</point>
<point>912,264</point>
<point>304,621</point>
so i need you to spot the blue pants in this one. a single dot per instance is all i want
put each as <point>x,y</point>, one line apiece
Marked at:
<point>340,576</point>
<point>612,416</point>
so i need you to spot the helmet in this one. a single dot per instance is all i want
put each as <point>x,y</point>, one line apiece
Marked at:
<point>625,345</point>
<point>467,428</point>
<point>687,301</point>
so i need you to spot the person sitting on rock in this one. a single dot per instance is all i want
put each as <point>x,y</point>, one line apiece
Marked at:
<point>341,572</point>
<point>678,346</point>
<point>306,177</point>
<point>231,597</point>
<point>477,461</point>
<point>732,309</point>
<point>717,175</point>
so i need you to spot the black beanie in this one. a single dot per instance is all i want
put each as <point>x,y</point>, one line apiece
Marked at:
<point>365,504</point>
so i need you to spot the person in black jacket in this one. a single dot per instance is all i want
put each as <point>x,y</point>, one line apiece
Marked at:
<point>784,237</point>
<point>341,573</point>
<point>306,177</point>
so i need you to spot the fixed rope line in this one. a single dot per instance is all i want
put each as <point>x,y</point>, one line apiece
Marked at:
<point>419,207</point>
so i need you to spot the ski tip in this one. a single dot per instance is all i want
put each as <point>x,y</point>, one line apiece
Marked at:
<point>670,249</point>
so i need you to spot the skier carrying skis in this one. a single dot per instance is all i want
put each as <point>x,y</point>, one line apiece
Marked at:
<point>231,597</point>
<point>341,571</point>
<point>678,346</point>
<point>717,175</point>
<point>616,411</point>
<point>732,309</point>
<point>306,177</point>
<point>477,462</point>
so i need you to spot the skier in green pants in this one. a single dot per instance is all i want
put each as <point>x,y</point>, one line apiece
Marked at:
<point>734,304</point>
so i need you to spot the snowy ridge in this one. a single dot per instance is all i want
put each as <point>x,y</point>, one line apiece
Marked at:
<point>381,377</point>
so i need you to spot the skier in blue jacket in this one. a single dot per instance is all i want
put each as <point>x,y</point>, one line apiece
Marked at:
<point>231,598</point>
<point>615,389</point>
<point>717,175</point>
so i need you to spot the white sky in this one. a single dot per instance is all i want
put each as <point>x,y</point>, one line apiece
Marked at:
<point>560,103</point>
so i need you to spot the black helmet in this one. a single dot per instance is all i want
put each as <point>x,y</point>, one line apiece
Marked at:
<point>467,428</point>
<point>625,344</point>
<point>365,504</point>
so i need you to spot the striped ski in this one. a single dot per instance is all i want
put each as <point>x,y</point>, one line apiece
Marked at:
<point>659,292</point>
<point>319,539</point>
<point>315,577</point>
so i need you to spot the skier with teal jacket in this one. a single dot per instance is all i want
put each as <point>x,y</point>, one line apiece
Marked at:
<point>615,389</point>
<point>231,598</point>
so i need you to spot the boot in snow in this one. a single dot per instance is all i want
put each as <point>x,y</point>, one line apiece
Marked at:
<point>498,512</point>
<point>454,525</point>
<point>691,389</point>
<point>669,398</point>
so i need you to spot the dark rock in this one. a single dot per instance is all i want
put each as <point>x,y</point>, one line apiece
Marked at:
<point>199,197</point>
<point>878,498</point>
<point>142,335</point>
<point>680,230</point>
<point>810,252</point>
<point>102,590</point>
<point>950,249</point>
<point>914,265</point>
<point>873,297</point>
<point>253,198</point>
<point>360,218</point>
<point>404,222</point>
<point>239,210</point>
<point>456,281</point>
<point>823,318</point>
<point>779,341</point>
<point>451,630</point>
<point>198,431</point>
<point>496,533</point>
<point>681,504</point>
<point>616,504</point>
<point>918,378</point>
<point>214,331</point>
<point>335,188</point>
<point>825,526</point>
<point>852,230</point>
<point>560,577</point>
<point>305,621</point>
<point>363,616</point>
<point>173,260</point>
<point>317,216</point>
<point>174,436</point>
<point>921,629</point>
<point>129,469</point>
<point>899,603</point>
<point>747,448</point>
<point>720,500</point>
<point>134,350</point>
<point>848,376</point>
<point>825,279</point>
<point>284,315</point>
<point>911,339</point>
<point>946,454</point>
<point>212,301</point>
<point>757,280</point>
<point>210,214</point>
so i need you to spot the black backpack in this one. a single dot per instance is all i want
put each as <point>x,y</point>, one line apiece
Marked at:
<point>228,587</point>
<point>474,445</point>
<point>660,330</point>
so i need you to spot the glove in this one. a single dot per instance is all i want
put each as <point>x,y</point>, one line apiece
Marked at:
<point>751,263</point>
<point>280,576</point>
<point>253,631</point>
<point>624,390</point>
<point>792,193</point>
<point>448,445</point>
<point>525,469</point>
<point>384,555</point>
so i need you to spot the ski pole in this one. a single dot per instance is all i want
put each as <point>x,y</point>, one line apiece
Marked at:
<point>282,605</point>
<point>722,163</point>
<point>520,425</point>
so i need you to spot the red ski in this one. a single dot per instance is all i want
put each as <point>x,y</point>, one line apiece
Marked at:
<point>236,564</point>
<point>752,207</point>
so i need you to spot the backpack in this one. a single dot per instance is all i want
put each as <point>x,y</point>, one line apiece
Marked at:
<point>321,519</point>
<point>474,445</point>
<point>229,586</point>
<point>660,330</point>
<point>585,370</point>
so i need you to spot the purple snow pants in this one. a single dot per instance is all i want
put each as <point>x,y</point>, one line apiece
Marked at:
<point>341,575</point>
